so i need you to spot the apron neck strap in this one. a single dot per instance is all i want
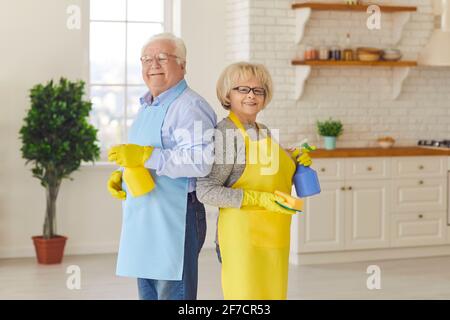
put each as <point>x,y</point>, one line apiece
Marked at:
<point>233,117</point>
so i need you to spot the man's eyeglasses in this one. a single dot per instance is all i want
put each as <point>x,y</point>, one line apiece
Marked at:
<point>246,90</point>
<point>162,58</point>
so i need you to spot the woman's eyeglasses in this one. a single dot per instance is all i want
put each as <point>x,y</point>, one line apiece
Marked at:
<point>246,90</point>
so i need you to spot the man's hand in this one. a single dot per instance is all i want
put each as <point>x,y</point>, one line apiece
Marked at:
<point>129,155</point>
<point>115,185</point>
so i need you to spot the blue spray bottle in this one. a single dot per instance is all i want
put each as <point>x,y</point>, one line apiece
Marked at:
<point>305,179</point>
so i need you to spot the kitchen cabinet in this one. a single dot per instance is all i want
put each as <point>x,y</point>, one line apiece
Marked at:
<point>418,229</point>
<point>417,167</point>
<point>348,213</point>
<point>366,214</point>
<point>374,203</point>
<point>329,169</point>
<point>418,194</point>
<point>367,168</point>
<point>321,226</point>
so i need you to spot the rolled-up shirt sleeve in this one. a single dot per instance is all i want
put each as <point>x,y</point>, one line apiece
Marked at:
<point>191,133</point>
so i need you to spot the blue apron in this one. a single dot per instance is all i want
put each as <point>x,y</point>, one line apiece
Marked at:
<point>153,225</point>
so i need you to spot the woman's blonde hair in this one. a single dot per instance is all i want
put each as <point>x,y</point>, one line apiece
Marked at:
<point>242,71</point>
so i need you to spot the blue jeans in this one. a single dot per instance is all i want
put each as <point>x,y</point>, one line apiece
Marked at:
<point>186,288</point>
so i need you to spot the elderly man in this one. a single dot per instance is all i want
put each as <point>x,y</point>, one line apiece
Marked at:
<point>164,224</point>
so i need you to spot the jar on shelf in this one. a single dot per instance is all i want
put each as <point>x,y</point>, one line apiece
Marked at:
<point>347,53</point>
<point>323,53</point>
<point>310,53</point>
<point>335,53</point>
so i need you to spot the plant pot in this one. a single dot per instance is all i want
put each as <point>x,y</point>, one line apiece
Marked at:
<point>330,143</point>
<point>49,251</point>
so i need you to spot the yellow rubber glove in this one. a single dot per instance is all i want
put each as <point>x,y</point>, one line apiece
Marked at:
<point>138,180</point>
<point>130,155</point>
<point>133,157</point>
<point>265,200</point>
<point>115,185</point>
<point>290,201</point>
<point>302,156</point>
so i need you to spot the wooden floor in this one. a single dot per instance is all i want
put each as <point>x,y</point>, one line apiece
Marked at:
<point>424,278</point>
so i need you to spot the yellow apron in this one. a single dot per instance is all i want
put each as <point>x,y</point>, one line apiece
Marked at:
<point>254,243</point>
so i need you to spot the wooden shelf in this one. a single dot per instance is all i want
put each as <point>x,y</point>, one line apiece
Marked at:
<point>346,7</point>
<point>401,15</point>
<point>356,63</point>
<point>400,70</point>
<point>379,152</point>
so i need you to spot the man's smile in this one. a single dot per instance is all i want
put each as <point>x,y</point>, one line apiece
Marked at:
<point>155,74</point>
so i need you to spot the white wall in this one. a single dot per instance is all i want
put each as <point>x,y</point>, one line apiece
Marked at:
<point>203,30</point>
<point>36,47</point>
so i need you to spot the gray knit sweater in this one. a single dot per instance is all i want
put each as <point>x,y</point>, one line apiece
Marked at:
<point>215,189</point>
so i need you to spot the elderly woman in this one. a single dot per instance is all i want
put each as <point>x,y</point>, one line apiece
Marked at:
<point>253,231</point>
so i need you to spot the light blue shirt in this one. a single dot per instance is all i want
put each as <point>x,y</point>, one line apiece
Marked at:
<point>186,134</point>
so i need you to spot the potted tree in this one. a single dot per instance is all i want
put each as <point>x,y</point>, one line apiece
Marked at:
<point>330,129</point>
<point>56,137</point>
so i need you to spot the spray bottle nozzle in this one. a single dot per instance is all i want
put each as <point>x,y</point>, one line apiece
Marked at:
<point>307,147</point>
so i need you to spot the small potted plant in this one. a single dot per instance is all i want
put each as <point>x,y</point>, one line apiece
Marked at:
<point>56,137</point>
<point>330,129</point>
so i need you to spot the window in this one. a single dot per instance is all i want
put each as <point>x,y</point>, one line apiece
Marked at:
<point>118,29</point>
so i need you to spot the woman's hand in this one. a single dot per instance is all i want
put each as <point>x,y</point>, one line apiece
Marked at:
<point>301,156</point>
<point>265,200</point>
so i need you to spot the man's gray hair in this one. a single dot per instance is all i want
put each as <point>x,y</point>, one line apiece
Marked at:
<point>180,48</point>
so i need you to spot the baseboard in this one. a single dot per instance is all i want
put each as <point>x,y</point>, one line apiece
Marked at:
<point>17,252</point>
<point>368,255</point>
<point>77,249</point>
